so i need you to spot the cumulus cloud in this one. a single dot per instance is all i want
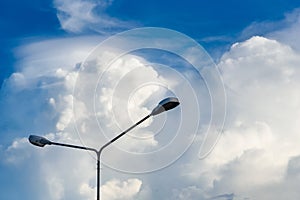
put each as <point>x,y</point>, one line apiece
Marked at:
<point>79,16</point>
<point>116,189</point>
<point>39,96</point>
<point>46,79</point>
<point>260,141</point>
<point>257,157</point>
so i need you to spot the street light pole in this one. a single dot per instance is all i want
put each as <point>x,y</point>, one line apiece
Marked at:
<point>164,105</point>
<point>105,145</point>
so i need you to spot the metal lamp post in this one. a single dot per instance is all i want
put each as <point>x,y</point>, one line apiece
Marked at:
<point>164,105</point>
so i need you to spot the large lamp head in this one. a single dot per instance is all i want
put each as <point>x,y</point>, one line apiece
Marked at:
<point>39,141</point>
<point>165,105</point>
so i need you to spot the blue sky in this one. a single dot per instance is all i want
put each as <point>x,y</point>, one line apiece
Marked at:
<point>24,21</point>
<point>255,47</point>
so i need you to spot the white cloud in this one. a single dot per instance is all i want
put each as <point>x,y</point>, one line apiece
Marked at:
<point>12,154</point>
<point>114,190</point>
<point>36,100</point>
<point>257,156</point>
<point>56,188</point>
<point>117,190</point>
<point>254,155</point>
<point>67,114</point>
<point>75,15</point>
<point>50,93</point>
<point>78,16</point>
